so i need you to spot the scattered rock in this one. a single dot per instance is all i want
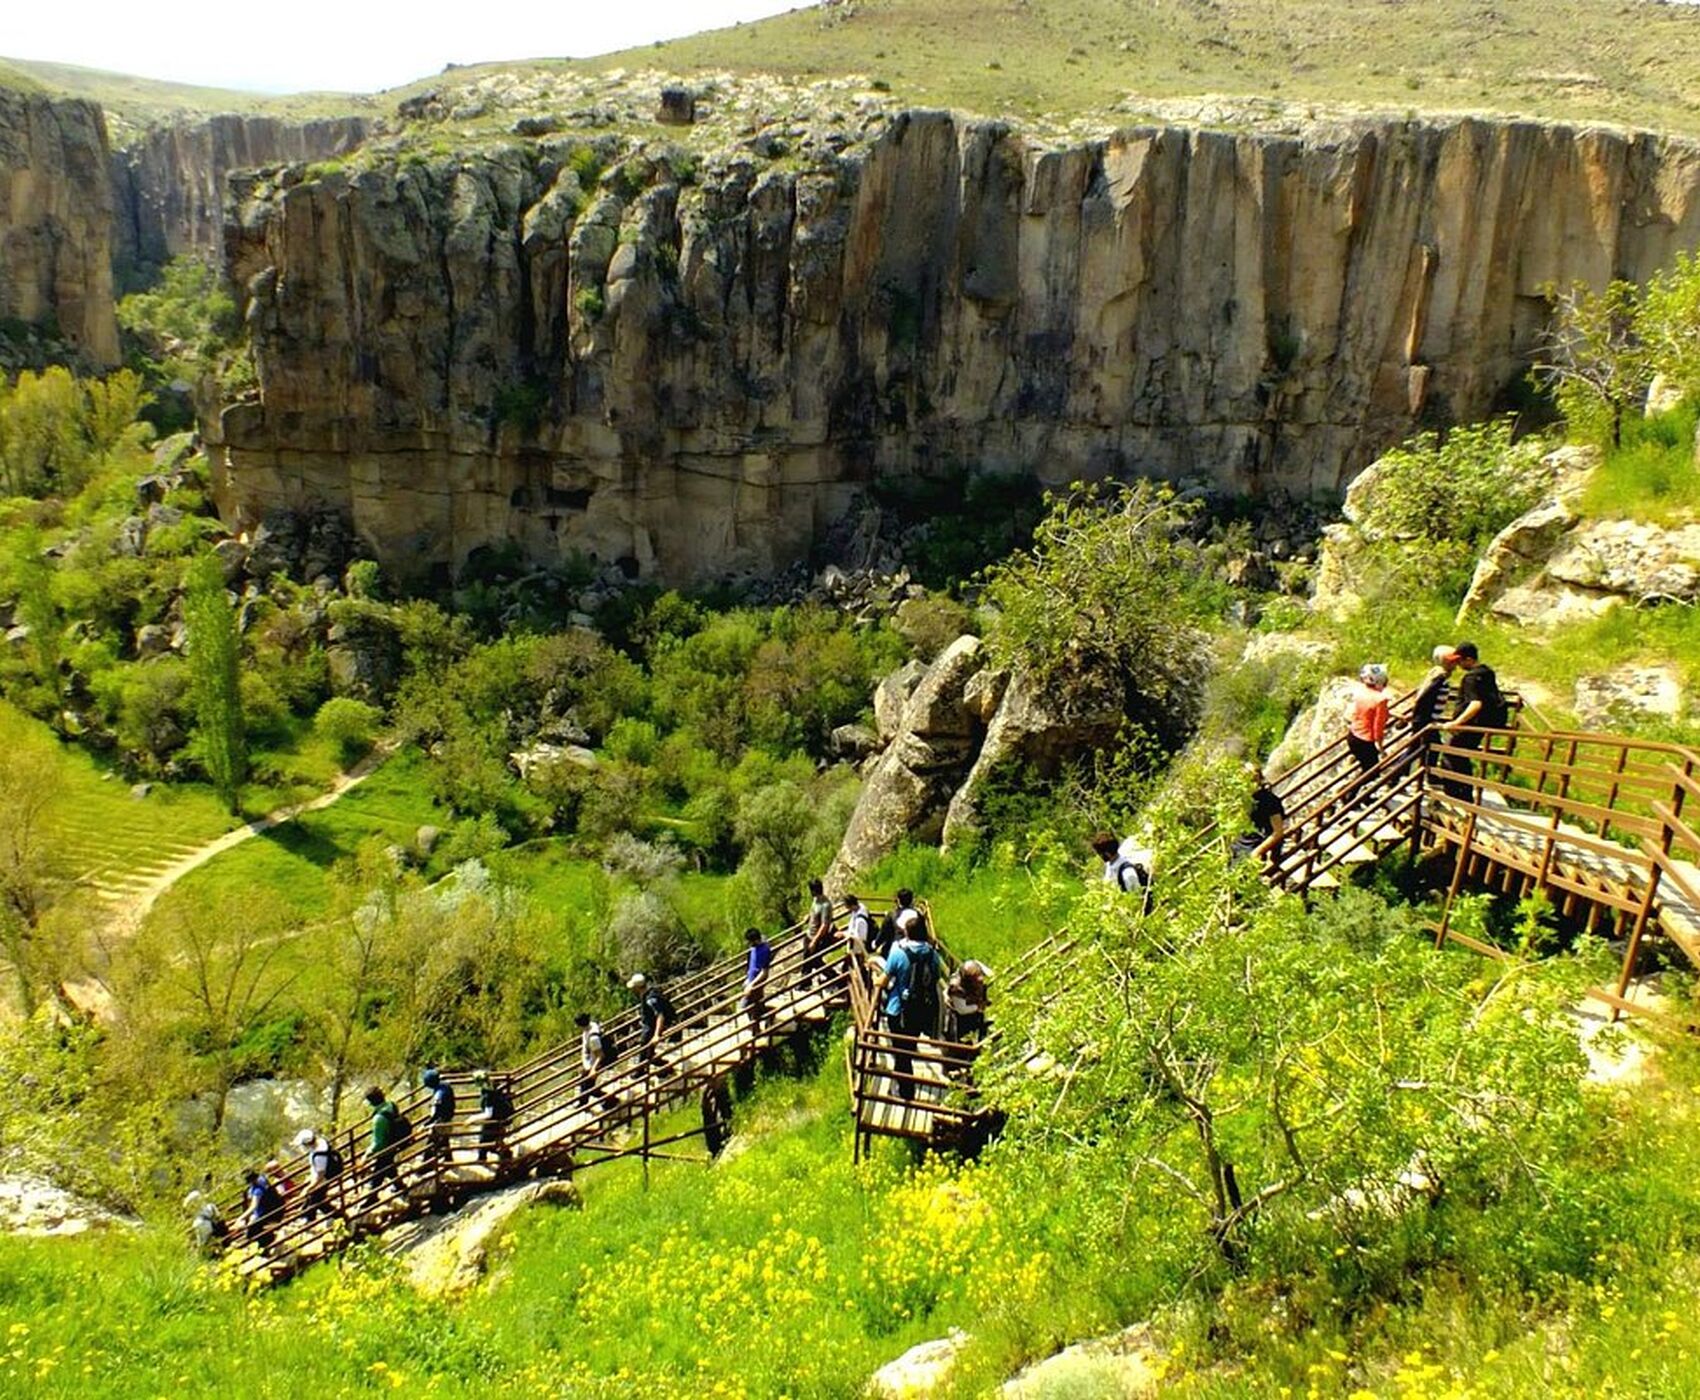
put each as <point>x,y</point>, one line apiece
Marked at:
<point>131,538</point>
<point>1516,551</point>
<point>232,557</point>
<point>32,1205</point>
<point>921,1371</point>
<point>1635,690</point>
<point>141,791</point>
<point>152,640</point>
<point>1663,394</point>
<point>426,838</point>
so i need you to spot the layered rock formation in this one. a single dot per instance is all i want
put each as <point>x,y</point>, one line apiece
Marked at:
<point>168,184</point>
<point>691,369</point>
<point>56,220</point>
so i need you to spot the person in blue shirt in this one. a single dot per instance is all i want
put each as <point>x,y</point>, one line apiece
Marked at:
<point>756,973</point>
<point>265,1204</point>
<point>909,994</point>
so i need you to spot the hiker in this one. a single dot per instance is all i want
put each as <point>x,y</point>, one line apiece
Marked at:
<point>390,1130</point>
<point>495,1108</point>
<point>1127,864</point>
<point>265,1204</point>
<point>888,933</point>
<point>1268,820</point>
<point>324,1165</point>
<point>655,1019</point>
<point>909,990</point>
<point>1431,691</point>
<point>207,1223</point>
<point>596,1053</point>
<point>279,1178</point>
<point>820,935</point>
<point>439,1118</point>
<point>858,927</point>
<point>756,971</point>
<point>1368,724</point>
<point>1481,705</point>
<point>965,1001</point>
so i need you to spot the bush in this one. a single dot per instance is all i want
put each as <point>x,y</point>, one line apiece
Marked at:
<point>1462,488</point>
<point>347,724</point>
<point>647,935</point>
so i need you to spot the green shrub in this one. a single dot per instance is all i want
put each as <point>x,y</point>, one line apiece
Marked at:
<point>1464,487</point>
<point>348,724</point>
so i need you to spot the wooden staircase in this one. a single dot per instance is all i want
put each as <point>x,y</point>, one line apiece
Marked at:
<point>560,1123</point>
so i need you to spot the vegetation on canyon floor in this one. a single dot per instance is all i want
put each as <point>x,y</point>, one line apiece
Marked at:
<point>1429,1196</point>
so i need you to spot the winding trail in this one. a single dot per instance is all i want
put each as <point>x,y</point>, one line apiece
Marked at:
<point>128,912</point>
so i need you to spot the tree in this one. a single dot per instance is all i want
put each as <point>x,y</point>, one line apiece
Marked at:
<point>1239,1061</point>
<point>774,825</point>
<point>110,410</point>
<point>1668,322</point>
<point>215,659</point>
<point>1593,358</point>
<point>1109,596</point>
<point>31,875</point>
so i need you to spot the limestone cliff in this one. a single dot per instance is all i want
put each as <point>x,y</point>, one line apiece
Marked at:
<point>691,369</point>
<point>168,183</point>
<point>56,220</point>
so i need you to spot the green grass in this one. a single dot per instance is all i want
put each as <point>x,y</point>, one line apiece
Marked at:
<point>1573,60</point>
<point>294,860</point>
<point>1654,476</point>
<point>1568,59</point>
<point>144,100</point>
<point>105,833</point>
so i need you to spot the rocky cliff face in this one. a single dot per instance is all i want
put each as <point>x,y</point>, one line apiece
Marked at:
<point>691,371</point>
<point>168,185</point>
<point>56,220</point>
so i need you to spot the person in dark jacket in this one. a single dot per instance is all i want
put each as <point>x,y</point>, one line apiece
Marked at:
<point>440,1118</point>
<point>1481,705</point>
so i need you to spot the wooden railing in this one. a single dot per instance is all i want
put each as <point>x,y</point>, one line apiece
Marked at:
<point>559,1119</point>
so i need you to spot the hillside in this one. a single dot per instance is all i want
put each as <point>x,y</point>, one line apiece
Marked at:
<point>1630,62</point>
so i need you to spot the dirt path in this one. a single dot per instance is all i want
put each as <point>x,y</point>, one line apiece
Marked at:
<point>127,914</point>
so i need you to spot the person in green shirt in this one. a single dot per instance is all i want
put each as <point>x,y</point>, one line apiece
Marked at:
<point>389,1131</point>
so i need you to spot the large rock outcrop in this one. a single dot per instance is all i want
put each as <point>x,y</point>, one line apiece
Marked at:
<point>56,221</point>
<point>691,365</point>
<point>169,182</point>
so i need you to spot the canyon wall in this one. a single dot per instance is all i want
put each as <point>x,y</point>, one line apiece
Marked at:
<point>692,369</point>
<point>56,220</point>
<point>168,183</point>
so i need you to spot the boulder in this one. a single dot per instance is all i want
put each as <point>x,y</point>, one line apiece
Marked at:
<point>1037,726</point>
<point>910,785</point>
<point>677,107</point>
<point>1603,700</point>
<point>152,640</point>
<point>984,693</point>
<point>1122,1365</point>
<point>892,694</point>
<point>232,557</point>
<point>1516,551</point>
<point>854,741</point>
<point>446,1255</point>
<point>131,538</point>
<point>1663,394</point>
<point>921,1371</point>
<point>426,838</point>
<point>1315,727</point>
<point>1640,562</point>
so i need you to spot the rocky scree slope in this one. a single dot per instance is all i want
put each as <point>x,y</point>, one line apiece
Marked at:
<point>690,362</point>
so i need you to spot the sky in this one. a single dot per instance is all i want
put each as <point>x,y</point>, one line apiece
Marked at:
<point>343,45</point>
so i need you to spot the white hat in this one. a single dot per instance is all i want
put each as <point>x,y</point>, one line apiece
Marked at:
<point>636,981</point>
<point>304,1139</point>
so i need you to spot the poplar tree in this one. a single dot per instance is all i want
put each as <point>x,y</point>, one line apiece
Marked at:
<point>215,654</point>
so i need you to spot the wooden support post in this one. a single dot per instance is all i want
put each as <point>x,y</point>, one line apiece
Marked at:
<point>1457,880</point>
<point>1611,796</point>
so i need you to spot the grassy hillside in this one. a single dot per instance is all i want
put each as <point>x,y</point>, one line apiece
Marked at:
<point>146,100</point>
<point>1634,62</point>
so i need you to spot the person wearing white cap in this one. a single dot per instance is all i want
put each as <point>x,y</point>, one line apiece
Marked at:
<point>655,1017</point>
<point>324,1164</point>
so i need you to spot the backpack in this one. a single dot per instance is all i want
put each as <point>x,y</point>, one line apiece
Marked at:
<point>502,1102</point>
<point>922,988</point>
<point>442,1104</point>
<point>333,1162</point>
<point>1133,860</point>
<point>611,1044</point>
<point>1495,713</point>
<point>401,1128</point>
<point>268,1200</point>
